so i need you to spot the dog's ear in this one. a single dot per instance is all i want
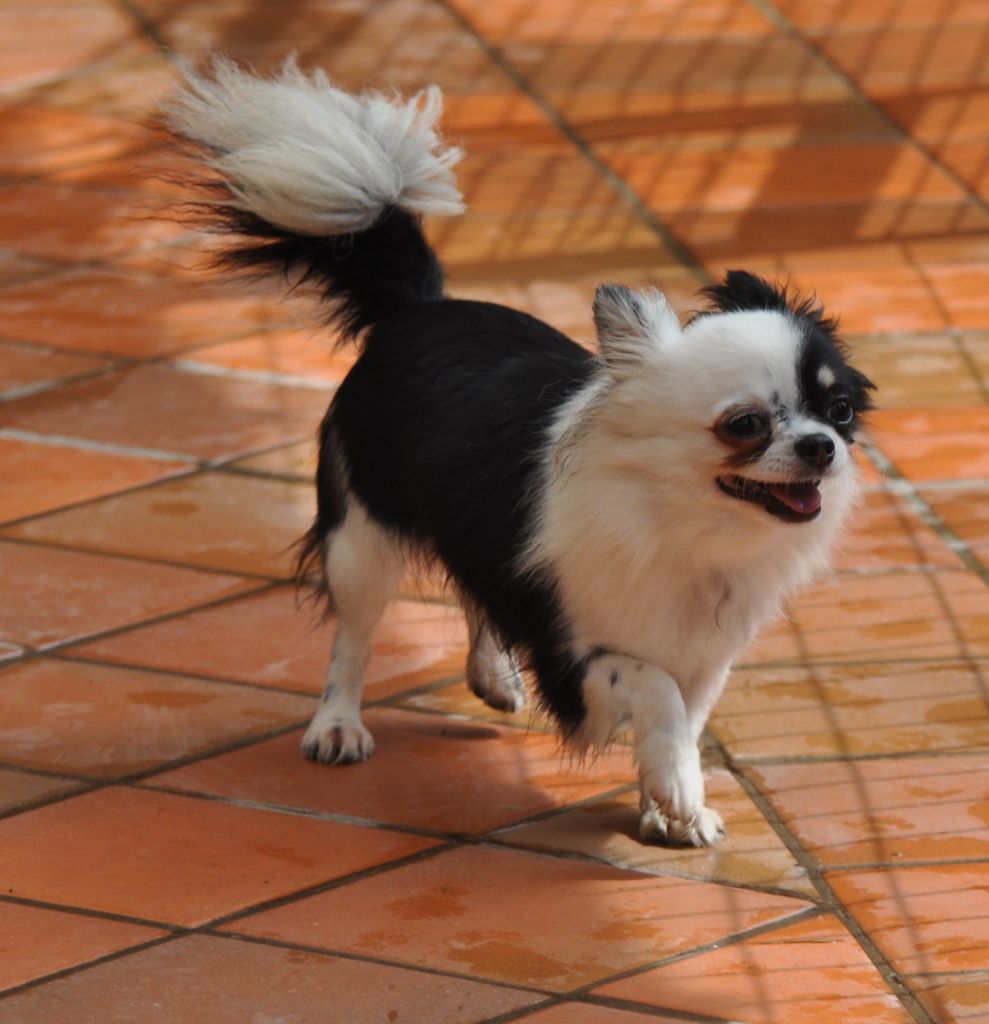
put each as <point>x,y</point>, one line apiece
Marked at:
<point>632,326</point>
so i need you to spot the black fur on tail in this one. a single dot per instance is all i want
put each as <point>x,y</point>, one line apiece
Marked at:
<point>362,277</point>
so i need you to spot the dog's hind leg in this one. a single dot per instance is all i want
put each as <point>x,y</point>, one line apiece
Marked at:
<point>364,565</point>
<point>491,673</point>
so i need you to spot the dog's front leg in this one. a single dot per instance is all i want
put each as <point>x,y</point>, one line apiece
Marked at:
<point>622,693</point>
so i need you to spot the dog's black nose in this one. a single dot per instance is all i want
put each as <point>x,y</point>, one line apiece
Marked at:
<point>817,450</point>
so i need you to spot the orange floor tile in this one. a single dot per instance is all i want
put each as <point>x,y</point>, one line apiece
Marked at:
<point>166,855</point>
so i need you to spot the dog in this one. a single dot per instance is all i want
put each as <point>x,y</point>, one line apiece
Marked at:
<point>619,523</point>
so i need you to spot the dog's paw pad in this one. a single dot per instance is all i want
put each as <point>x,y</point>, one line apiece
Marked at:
<point>337,743</point>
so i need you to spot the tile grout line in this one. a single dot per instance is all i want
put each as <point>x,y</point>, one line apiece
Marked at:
<point>905,489</point>
<point>66,972</point>
<point>102,447</point>
<point>79,658</point>
<point>770,11</point>
<point>958,338</point>
<point>569,995</point>
<point>308,892</point>
<point>514,1015</point>
<point>192,471</point>
<point>791,663</point>
<point>671,243</point>
<point>755,931</point>
<point>271,377</point>
<point>447,840</point>
<point>490,838</point>
<point>343,954</point>
<point>57,647</point>
<point>132,780</point>
<point>103,915</point>
<point>885,865</point>
<point>829,899</point>
<point>244,574</point>
<point>54,383</point>
<point>893,755</point>
<point>146,26</point>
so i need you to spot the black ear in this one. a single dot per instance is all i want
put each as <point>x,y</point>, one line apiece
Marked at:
<point>741,291</point>
<point>861,386</point>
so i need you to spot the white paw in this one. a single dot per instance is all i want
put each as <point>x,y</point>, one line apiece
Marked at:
<point>704,829</point>
<point>496,680</point>
<point>654,826</point>
<point>677,786</point>
<point>333,740</point>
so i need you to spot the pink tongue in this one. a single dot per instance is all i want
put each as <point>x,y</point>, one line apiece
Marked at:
<point>802,498</point>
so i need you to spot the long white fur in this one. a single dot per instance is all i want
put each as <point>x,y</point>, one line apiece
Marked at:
<point>679,576</point>
<point>306,156</point>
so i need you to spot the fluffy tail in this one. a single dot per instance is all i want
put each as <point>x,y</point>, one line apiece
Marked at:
<point>323,185</point>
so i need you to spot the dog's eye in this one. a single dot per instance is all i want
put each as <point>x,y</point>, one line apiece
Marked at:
<point>841,412</point>
<point>746,426</point>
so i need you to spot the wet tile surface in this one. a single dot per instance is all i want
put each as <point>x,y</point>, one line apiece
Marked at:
<point>457,912</point>
<point>228,981</point>
<point>895,810</point>
<point>276,639</point>
<point>306,358</point>
<point>59,474</point>
<point>176,859</point>
<point>866,708</point>
<point>804,972</point>
<point>585,1013</point>
<point>223,521</point>
<point>954,998</point>
<point>168,410</point>
<point>49,595</point>
<point>607,830</point>
<point>19,789</point>
<point>101,722</point>
<point>58,940</point>
<point>156,457</point>
<point>893,616</point>
<point>936,444</point>
<point>28,367</point>
<point>468,778</point>
<point>925,919</point>
<point>109,312</point>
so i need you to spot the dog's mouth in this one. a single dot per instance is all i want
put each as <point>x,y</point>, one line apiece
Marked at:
<point>798,502</point>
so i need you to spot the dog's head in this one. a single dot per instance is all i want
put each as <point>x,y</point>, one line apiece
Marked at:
<point>747,414</point>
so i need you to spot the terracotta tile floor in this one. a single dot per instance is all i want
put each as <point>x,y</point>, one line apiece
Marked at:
<point>165,854</point>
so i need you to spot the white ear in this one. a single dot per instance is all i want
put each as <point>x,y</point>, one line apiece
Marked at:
<point>632,326</point>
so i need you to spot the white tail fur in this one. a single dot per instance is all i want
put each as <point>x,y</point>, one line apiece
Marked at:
<point>306,156</point>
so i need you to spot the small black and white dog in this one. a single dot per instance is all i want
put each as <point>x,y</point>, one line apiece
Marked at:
<point>621,523</point>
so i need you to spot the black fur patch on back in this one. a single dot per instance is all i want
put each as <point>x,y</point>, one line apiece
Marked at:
<point>442,424</point>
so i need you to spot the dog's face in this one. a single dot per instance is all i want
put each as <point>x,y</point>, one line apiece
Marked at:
<point>746,415</point>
